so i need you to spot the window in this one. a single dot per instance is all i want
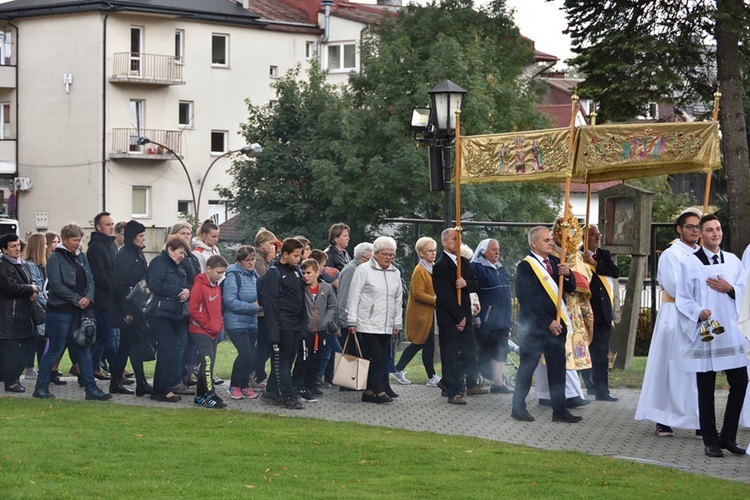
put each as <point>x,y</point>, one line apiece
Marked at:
<point>342,57</point>
<point>218,141</point>
<point>141,201</point>
<point>137,107</point>
<point>184,207</point>
<point>185,112</point>
<point>309,50</point>
<point>179,46</point>
<point>219,50</point>
<point>6,44</point>
<point>274,71</point>
<point>136,48</point>
<point>5,121</point>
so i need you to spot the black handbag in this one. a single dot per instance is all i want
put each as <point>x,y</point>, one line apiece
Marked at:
<point>84,329</point>
<point>140,296</point>
<point>38,314</point>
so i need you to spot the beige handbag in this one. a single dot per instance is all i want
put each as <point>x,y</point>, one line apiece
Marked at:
<point>350,371</point>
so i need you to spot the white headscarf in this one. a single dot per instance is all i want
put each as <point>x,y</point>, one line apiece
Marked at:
<point>479,254</point>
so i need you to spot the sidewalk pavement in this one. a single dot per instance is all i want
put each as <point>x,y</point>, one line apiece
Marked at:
<point>607,429</point>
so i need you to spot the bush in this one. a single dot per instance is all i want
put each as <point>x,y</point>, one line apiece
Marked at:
<point>644,332</point>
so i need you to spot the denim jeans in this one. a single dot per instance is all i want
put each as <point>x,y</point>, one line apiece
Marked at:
<point>87,369</point>
<point>244,342</point>
<point>106,342</point>
<point>57,328</point>
<point>332,346</point>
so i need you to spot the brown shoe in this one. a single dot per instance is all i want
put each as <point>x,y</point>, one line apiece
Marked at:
<point>457,400</point>
<point>476,391</point>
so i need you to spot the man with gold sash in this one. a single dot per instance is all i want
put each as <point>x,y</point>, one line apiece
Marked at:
<point>604,272</point>
<point>538,328</point>
<point>669,396</point>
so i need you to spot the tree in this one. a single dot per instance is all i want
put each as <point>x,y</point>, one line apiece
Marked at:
<point>346,153</point>
<point>638,51</point>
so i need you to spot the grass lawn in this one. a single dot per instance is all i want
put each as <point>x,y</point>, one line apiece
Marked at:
<point>66,449</point>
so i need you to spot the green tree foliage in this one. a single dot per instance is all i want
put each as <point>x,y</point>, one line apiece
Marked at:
<point>638,51</point>
<point>345,153</point>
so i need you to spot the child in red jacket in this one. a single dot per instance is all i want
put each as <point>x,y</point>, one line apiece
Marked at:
<point>206,324</point>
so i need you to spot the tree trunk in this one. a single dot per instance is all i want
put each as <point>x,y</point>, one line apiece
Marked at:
<point>732,120</point>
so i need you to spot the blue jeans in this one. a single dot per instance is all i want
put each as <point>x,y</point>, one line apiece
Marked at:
<point>244,342</point>
<point>86,368</point>
<point>57,326</point>
<point>106,342</point>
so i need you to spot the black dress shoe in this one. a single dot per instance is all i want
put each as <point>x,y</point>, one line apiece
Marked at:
<point>545,402</point>
<point>127,381</point>
<point>55,379</point>
<point>15,388</point>
<point>116,387</point>
<point>142,390</point>
<point>608,397</point>
<point>165,399</point>
<point>731,447</point>
<point>523,416</point>
<point>576,402</point>
<point>714,451</point>
<point>382,399</point>
<point>101,376</point>
<point>389,392</point>
<point>566,417</point>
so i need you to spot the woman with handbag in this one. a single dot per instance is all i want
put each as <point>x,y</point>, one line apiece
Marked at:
<point>168,281</point>
<point>17,297</point>
<point>70,296</point>
<point>375,310</point>
<point>130,268</point>
<point>35,255</point>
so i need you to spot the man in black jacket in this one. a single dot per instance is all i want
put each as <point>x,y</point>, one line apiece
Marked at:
<point>458,345</point>
<point>539,330</point>
<point>604,269</point>
<point>101,255</point>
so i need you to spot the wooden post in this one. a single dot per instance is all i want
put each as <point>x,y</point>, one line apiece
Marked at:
<point>457,175</point>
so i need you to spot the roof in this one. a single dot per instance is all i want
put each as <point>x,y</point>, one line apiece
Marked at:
<point>365,14</point>
<point>223,11</point>
<point>233,231</point>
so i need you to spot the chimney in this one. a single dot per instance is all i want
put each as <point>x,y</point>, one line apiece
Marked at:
<point>309,7</point>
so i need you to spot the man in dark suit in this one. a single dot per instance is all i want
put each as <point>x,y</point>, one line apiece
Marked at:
<point>603,266</point>
<point>458,346</point>
<point>539,330</point>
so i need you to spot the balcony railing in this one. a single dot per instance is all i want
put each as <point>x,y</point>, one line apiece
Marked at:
<point>151,69</point>
<point>125,143</point>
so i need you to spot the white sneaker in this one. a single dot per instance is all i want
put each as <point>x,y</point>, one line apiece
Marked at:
<point>399,376</point>
<point>29,373</point>
<point>434,381</point>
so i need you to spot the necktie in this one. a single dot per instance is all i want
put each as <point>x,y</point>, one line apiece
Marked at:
<point>716,259</point>
<point>549,266</point>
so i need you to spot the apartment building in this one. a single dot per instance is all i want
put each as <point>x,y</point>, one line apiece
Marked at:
<point>82,83</point>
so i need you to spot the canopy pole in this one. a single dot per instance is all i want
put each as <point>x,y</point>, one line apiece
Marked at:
<point>588,212</point>
<point>707,192</point>
<point>566,210</point>
<point>457,174</point>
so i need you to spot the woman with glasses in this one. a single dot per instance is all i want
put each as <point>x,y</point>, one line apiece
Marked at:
<point>375,311</point>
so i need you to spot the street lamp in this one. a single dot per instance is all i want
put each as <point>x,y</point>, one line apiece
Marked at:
<point>250,151</point>
<point>435,126</point>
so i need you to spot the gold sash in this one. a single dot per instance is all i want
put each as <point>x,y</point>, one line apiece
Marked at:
<point>545,283</point>
<point>605,284</point>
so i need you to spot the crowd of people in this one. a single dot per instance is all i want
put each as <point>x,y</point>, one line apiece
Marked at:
<point>283,302</point>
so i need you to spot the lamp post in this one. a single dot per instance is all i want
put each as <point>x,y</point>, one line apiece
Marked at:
<point>435,127</point>
<point>250,151</point>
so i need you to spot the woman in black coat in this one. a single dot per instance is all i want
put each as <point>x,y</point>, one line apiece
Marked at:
<point>168,282</point>
<point>17,293</point>
<point>130,268</point>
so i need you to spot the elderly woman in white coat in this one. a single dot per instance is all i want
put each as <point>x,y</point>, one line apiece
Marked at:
<point>375,311</point>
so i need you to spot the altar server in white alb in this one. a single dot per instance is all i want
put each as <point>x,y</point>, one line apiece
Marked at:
<point>669,396</point>
<point>709,295</point>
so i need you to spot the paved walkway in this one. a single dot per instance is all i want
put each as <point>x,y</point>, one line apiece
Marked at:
<point>608,429</point>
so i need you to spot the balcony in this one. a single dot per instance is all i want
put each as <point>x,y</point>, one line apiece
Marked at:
<point>146,69</point>
<point>125,144</point>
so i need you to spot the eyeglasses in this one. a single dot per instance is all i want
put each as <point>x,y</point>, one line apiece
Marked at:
<point>387,255</point>
<point>691,227</point>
